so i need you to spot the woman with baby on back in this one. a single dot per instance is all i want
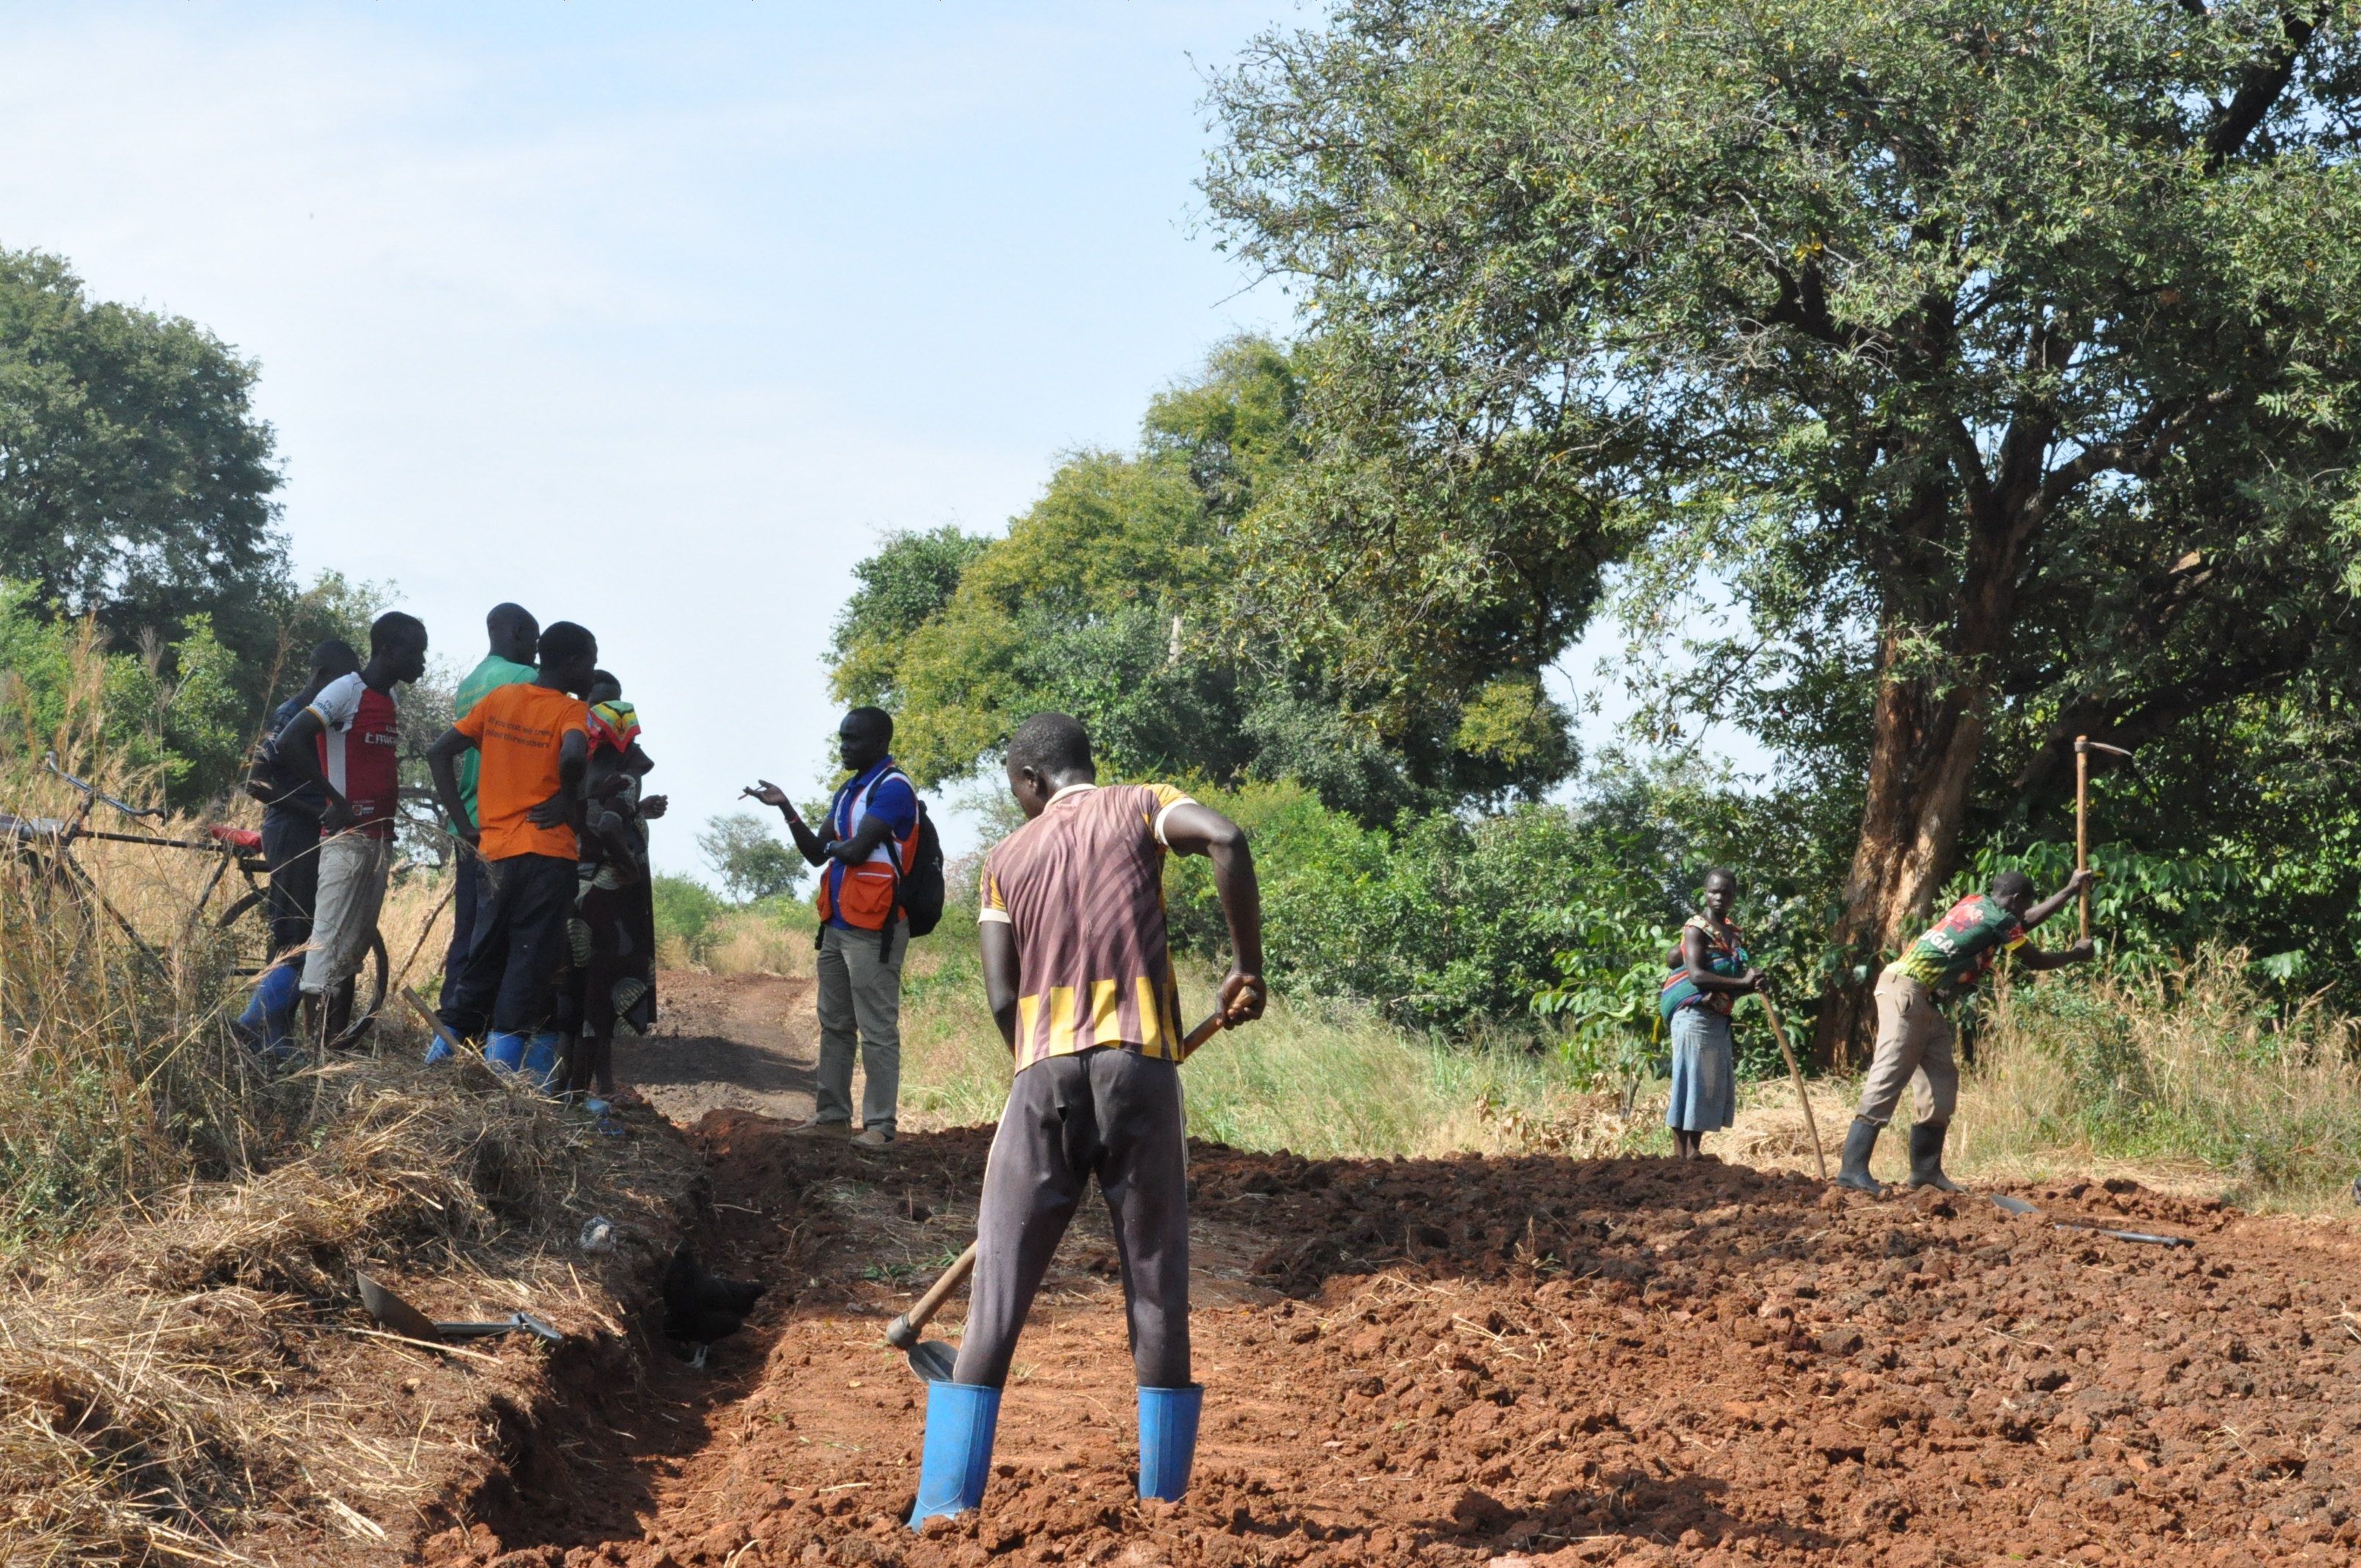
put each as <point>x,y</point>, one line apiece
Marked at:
<point>1709,971</point>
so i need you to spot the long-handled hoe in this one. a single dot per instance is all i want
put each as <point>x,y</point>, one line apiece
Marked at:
<point>2083,747</point>
<point>933,1359</point>
<point>1796,1073</point>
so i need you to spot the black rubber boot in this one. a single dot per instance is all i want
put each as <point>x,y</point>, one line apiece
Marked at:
<point>1859,1141</point>
<point>1927,1157</point>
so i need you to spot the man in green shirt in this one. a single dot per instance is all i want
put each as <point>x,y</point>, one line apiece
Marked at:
<point>515,639</point>
<point>1914,1042</point>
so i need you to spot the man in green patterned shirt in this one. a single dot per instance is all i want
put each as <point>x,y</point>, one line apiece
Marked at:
<point>1914,1041</point>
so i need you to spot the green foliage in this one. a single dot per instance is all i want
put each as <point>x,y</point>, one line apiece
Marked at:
<point>751,861</point>
<point>903,586</point>
<point>135,488</point>
<point>2002,362</point>
<point>1609,977</point>
<point>686,912</point>
<point>1116,599</point>
<point>181,732</point>
<point>1458,924</point>
<point>134,479</point>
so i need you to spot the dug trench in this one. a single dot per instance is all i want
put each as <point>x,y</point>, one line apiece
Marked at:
<point>1469,1359</point>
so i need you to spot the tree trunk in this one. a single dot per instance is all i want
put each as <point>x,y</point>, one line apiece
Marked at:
<point>1923,751</point>
<point>1927,735</point>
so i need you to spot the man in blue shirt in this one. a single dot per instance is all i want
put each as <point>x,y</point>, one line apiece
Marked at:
<point>863,852</point>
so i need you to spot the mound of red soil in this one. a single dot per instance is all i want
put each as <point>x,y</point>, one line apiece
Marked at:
<point>1467,1360</point>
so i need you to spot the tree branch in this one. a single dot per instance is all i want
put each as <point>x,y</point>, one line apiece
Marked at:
<point>2128,455</point>
<point>2259,86</point>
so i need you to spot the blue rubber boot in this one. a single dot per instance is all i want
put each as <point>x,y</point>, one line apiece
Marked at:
<point>268,1022</point>
<point>957,1459</point>
<point>1167,1439</point>
<point>504,1052</point>
<point>540,1059</point>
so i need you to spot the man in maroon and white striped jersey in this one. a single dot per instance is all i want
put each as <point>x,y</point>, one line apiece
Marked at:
<point>1080,980</point>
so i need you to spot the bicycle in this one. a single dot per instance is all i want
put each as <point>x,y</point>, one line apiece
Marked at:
<point>246,922</point>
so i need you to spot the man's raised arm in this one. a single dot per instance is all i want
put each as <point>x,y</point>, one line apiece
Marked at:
<point>2060,899</point>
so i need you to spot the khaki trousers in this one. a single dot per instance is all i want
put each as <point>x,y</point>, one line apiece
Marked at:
<point>353,871</point>
<point>861,1009</point>
<point>1913,1048</point>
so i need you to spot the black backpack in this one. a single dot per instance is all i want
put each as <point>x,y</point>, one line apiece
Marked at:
<point>921,891</point>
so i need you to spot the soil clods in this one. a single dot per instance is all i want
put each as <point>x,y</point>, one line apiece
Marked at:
<point>1469,1360</point>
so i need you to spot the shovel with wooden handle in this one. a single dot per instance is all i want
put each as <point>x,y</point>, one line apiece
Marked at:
<point>933,1359</point>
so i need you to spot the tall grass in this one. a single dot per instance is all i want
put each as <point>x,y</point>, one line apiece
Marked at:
<point>2193,1072</point>
<point>172,1206</point>
<point>117,1073</point>
<point>120,1075</point>
<point>1318,1077</point>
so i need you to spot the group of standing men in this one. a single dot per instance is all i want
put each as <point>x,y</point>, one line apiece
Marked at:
<point>539,777</point>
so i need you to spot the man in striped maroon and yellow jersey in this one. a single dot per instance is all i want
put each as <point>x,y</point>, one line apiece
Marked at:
<point>1080,980</point>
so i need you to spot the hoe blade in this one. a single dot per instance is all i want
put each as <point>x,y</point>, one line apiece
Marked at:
<point>932,1360</point>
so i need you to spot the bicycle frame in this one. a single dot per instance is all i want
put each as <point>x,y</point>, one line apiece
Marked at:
<point>59,840</point>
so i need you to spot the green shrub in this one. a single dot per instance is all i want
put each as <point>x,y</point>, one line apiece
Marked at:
<point>686,912</point>
<point>1465,925</point>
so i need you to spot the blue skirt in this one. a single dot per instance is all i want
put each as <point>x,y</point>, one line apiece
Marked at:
<point>1705,1081</point>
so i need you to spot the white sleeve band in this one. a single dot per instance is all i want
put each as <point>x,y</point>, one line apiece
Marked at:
<point>1167,811</point>
<point>337,702</point>
<point>984,914</point>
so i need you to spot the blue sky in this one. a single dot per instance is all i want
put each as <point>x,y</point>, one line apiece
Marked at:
<point>652,318</point>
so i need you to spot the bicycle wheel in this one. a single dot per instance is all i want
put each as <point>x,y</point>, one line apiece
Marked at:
<point>247,924</point>
<point>369,989</point>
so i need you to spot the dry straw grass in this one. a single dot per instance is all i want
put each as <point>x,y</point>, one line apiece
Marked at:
<point>179,1222</point>
<point>2191,1079</point>
<point>157,1391</point>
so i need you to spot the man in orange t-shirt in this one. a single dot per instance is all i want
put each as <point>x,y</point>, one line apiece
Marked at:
<point>534,745</point>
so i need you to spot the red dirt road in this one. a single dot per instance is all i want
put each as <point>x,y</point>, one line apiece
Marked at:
<point>1465,1361</point>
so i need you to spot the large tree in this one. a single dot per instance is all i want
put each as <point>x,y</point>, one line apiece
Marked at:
<point>1120,596</point>
<point>135,480</point>
<point>1999,356</point>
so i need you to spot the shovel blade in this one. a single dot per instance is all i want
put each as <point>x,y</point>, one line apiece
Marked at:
<point>2014,1205</point>
<point>932,1360</point>
<point>394,1312</point>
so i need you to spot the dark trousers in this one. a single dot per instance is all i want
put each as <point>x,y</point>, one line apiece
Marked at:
<point>1107,1112</point>
<point>519,940</point>
<point>470,891</point>
<point>291,849</point>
